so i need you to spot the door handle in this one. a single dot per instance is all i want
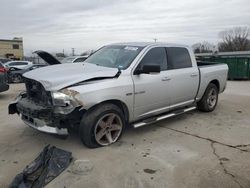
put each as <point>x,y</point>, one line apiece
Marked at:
<point>194,75</point>
<point>165,79</point>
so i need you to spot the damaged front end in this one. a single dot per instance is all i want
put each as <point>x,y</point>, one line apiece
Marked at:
<point>50,112</point>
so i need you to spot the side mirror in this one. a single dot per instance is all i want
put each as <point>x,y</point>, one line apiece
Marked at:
<point>147,69</point>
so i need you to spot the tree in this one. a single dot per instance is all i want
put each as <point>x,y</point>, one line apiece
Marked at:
<point>235,39</point>
<point>203,47</point>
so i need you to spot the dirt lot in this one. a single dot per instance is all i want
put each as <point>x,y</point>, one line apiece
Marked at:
<point>192,150</point>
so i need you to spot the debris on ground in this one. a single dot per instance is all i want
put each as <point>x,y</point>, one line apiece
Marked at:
<point>149,171</point>
<point>48,165</point>
<point>81,167</point>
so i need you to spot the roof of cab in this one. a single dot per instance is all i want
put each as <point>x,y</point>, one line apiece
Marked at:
<point>145,44</point>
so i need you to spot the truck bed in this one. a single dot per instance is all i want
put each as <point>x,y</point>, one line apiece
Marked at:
<point>210,71</point>
<point>207,63</point>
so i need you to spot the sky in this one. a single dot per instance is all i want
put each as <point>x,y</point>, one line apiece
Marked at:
<point>57,25</point>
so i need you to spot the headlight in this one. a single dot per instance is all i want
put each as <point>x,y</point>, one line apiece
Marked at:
<point>60,99</point>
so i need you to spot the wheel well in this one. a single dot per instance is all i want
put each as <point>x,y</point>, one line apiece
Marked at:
<point>121,105</point>
<point>216,82</point>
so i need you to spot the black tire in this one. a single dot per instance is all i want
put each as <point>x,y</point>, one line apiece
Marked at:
<point>89,123</point>
<point>205,104</point>
<point>17,78</point>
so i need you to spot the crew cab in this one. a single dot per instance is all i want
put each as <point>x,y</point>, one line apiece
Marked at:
<point>119,85</point>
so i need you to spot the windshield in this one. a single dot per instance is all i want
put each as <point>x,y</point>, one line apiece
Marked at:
<point>115,56</point>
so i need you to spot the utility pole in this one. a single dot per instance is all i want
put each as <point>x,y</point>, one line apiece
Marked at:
<point>155,39</point>
<point>73,51</point>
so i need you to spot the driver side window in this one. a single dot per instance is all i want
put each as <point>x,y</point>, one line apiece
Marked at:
<point>155,56</point>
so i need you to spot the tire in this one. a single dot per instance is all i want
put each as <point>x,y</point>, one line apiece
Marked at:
<point>209,100</point>
<point>17,78</point>
<point>99,123</point>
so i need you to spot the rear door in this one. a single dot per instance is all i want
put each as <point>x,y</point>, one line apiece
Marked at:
<point>184,77</point>
<point>151,90</point>
<point>22,64</point>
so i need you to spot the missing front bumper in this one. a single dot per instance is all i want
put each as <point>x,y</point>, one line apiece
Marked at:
<point>35,123</point>
<point>43,118</point>
<point>41,126</point>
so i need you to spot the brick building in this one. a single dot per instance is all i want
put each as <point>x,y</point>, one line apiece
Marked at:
<point>12,49</point>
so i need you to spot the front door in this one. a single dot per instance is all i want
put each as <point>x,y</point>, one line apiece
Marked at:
<point>151,90</point>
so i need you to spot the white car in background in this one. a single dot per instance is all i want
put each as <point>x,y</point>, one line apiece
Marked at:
<point>74,59</point>
<point>18,64</point>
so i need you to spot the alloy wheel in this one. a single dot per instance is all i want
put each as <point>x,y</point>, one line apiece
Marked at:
<point>212,98</point>
<point>108,129</point>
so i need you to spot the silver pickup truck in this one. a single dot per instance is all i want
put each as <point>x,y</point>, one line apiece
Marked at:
<point>119,85</point>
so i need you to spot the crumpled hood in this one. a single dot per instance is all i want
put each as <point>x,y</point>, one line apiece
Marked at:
<point>56,77</point>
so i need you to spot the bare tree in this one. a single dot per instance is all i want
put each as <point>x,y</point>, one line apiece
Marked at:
<point>235,39</point>
<point>203,47</point>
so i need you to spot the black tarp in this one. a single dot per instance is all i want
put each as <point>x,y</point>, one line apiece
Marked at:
<point>49,164</point>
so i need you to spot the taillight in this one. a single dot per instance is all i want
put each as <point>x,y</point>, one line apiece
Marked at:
<point>3,70</point>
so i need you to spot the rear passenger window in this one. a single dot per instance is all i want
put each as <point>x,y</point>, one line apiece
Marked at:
<point>155,56</point>
<point>22,63</point>
<point>178,58</point>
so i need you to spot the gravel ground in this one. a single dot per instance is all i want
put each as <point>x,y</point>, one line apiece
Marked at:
<point>192,150</point>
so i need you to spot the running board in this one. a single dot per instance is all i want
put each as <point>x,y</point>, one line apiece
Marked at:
<point>165,116</point>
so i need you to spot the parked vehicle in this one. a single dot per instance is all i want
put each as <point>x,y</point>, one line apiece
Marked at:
<point>4,60</point>
<point>47,57</point>
<point>17,64</point>
<point>121,84</point>
<point>15,74</point>
<point>3,79</point>
<point>74,59</point>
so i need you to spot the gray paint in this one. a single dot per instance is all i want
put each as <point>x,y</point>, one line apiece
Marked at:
<point>152,94</point>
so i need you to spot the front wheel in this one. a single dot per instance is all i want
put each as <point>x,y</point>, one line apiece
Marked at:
<point>209,99</point>
<point>102,126</point>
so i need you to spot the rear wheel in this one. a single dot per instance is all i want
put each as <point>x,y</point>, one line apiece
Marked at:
<point>17,78</point>
<point>209,99</point>
<point>102,126</point>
